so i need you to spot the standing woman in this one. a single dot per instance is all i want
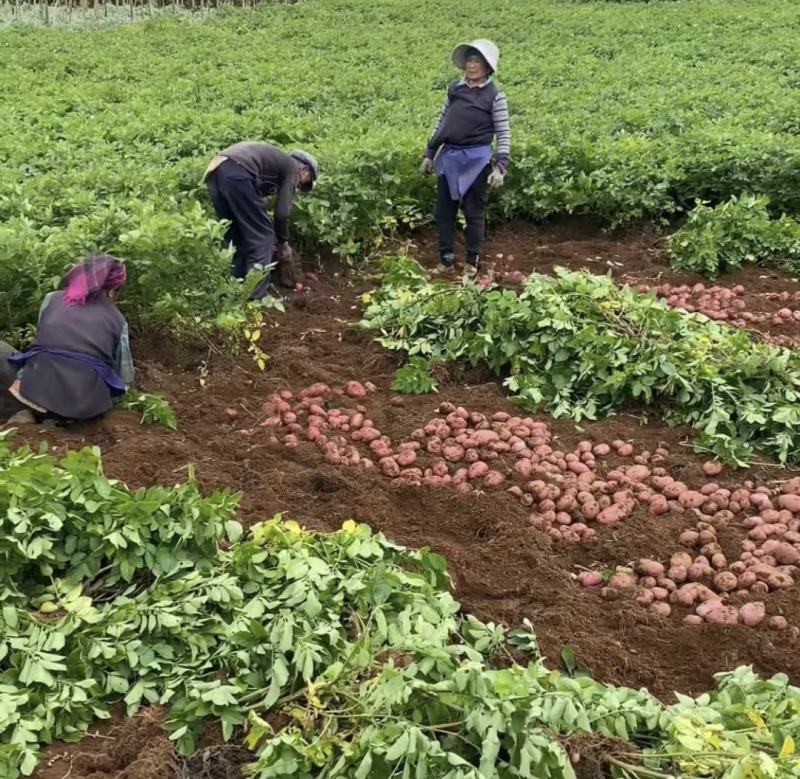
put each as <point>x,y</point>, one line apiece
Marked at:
<point>475,112</point>
<point>80,360</point>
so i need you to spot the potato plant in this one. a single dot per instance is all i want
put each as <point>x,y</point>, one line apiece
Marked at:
<point>721,238</point>
<point>104,133</point>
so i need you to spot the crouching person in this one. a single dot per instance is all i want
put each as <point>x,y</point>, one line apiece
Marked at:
<point>80,360</point>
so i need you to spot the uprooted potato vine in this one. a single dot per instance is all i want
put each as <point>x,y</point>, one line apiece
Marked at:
<point>152,408</point>
<point>577,345</point>
<point>117,596</point>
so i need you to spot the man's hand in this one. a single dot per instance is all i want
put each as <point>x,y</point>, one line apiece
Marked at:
<point>287,265</point>
<point>283,252</point>
<point>496,178</point>
<point>427,166</point>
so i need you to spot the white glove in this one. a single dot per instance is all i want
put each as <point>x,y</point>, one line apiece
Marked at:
<point>496,178</point>
<point>427,166</point>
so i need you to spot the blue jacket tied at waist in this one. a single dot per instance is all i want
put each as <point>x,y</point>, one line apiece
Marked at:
<point>461,165</point>
<point>106,373</point>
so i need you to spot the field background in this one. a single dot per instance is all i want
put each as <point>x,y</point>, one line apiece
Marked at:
<point>619,110</point>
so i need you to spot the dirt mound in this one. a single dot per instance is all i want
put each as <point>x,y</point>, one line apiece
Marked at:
<point>134,748</point>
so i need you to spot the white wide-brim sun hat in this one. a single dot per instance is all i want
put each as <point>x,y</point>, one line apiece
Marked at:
<point>488,51</point>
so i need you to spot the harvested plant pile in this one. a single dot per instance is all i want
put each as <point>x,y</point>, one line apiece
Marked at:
<point>577,345</point>
<point>354,640</point>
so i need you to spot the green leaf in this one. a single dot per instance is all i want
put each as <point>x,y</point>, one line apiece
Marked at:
<point>233,530</point>
<point>10,617</point>
<point>398,748</point>
<point>364,767</point>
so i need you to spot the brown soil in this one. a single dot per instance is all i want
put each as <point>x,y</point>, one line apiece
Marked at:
<point>503,569</point>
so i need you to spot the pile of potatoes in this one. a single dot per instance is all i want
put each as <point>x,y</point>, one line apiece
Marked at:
<point>460,449</point>
<point>728,305</point>
<point>570,494</point>
<point>702,578</point>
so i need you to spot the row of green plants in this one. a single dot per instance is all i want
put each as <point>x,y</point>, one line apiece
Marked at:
<point>619,110</point>
<point>159,597</point>
<point>577,345</point>
<point>716,239</point>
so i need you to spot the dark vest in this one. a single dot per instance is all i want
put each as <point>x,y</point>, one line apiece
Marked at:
<point>468,120</point>
<point>65,386</point>
<point>8,373</point>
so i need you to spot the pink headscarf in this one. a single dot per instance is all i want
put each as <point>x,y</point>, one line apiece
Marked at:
<point>94,274</point>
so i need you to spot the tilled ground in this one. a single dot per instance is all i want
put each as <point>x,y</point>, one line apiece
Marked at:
<point>503,568</point>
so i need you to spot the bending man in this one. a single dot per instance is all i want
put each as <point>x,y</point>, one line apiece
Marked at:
<point>239,178</point>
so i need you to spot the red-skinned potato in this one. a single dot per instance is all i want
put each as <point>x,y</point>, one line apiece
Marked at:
<point>493,479</point>
<point>661,608</point>
<point>726,582</point>
<point>590,509</point>
<point>317,390</point>
<point>719,561</point>
<point>790,502</point>
<point>691,499</point>
<point>406,458</point>
<point>746,580</point>
<point>590,579</point>
<point>461,475</point>
<point>724,615</point>
<point>780,580</point>
<point>478,470</point>
<point>389,467</point>
<point>752,614</point>
<point>660,593</point>
<point>681,559</point>
<point>685,596</point>
<point>454,453</point>
<point>647,567</point>
<point>689,538</point>
<point>707,606</point>
<point>609,593</point>
<point>644,597</point>
<point>622,580</point>
<point>667,584</point>
<point>786,554</point>
<point>778,623</point>
<point>698,571</point>
<point>678,573</point>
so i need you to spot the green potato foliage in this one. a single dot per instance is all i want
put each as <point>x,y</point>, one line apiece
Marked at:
<point>576,345</point>
<point>110,596</point>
